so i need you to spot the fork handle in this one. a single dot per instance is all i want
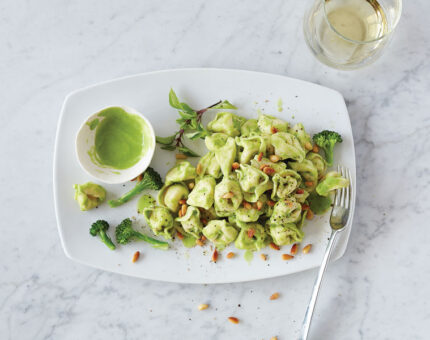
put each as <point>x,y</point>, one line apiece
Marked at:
<point>310,310</point>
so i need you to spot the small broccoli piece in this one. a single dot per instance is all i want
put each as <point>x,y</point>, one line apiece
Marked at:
<point>100,228</point>
<point>151,180</point>
<point>327,140</point>
<point>125,233</point>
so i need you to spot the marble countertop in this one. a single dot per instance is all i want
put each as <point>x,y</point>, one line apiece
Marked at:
<point>378,290</point>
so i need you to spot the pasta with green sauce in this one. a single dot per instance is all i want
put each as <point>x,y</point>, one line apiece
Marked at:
<point>253,187</point>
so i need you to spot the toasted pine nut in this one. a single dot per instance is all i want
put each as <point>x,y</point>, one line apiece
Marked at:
<point>287,257</point>
<point>215,256</point>
<point>181,156</point>
<point>259,205</point>
<point>274,246</point>
<point>309,183</point>
<point>247,205</point>
<point>315,148</point>
<point>273,338</point>
<point>274,158</point>
<point>251,232</point>
<point>307,249</point>
<point>180,236</point>
<point>260,157</point>
<point>309,215</point>
<point>203,238</point>
<point>235,165</point>
<point>184,209</point>
<point>299,191</point>
<point>180,213</point>
<point>200,243</point>
<point>270,203</point>
<point>203,306</point>
<point>135,256</point>
<point>234,320</point>
<point>305,207</point>
<point>191,185</point>
<point>228,195</point>
<point>293,250</point>
<point>268,170</point>
<point>273,129</point>
<point>263,257</point>
<point>274,296</point>
<point>308,146</point>
<point>262,166</point>
<point>204,221</point>
<point>182,201</point>
<point>230,255</point>
<point>199,169</point>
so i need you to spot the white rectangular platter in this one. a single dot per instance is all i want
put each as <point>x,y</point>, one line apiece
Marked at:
<point>317,107</point>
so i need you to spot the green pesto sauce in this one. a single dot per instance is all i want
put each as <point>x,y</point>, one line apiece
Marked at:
<point>189,241</point>
<point>280,105</point>
<point>93,124</point>
<point>121,139</point>
<point>319,204</point>
<point>248,256</point>
<point>145,201</point>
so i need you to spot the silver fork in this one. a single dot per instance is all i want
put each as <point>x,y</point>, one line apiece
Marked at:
<point>339,218</point>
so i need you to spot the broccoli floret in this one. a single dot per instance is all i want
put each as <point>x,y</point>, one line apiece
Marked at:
<point>125,233</point>
<point>327,140</point>
<point>151,179</point>
<point>100,228</point>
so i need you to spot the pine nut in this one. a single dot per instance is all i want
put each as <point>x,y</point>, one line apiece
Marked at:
<point>274,158</point>
<point>230,255</point>
<point>309,214</point>
<point>135,256</point>
<point>235,165</point>
<point>274,246</point>
<point>191,185</point>
<point>293,250</point>
<point>199,169</point>
<point>287,257</point>
<point>247,205</point>
<point>181,156</point>
<point>234,320</point>
<point>260,157</point>
<point>263,257</point>
<point>274,296</point>
<point>308,146</point>
<point>269,170</point>
<point>184,209</point>
<point>307,249</point>
<point>228,195</point>
<point>315,148</point>
<point>273,129</point>
<point>203,306</point>
<point>215,256</point>
<point>182,202</point>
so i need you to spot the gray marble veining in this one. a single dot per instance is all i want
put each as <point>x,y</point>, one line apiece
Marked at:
<point>378,290</point>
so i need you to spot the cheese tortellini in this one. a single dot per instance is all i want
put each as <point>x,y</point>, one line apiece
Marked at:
<point>226,122</point>
<point>308,171</point>
<point>253,182</point>
<point>228,197</point>
<point>286,211</point>
<point>220,232</point>
<point>252,236</point>
<point>332,181</point>
<point>181,172</point>
<point>224,148</point>
<point>169,196</point>
<point>269,124</point>
<point>191,222</point>
<point>287,146</point>
<point>250,146</point>
<point>284,183</point>
<point>210,166</point>
<point>285,234</point>
<point>203,193</point>
<point>160,220</point>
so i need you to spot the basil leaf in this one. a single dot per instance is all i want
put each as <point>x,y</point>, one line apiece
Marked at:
<point>173,100</point>
<point>187,115</point>
<point>188,109</point>
<point>193,135</point>
<point>166,140</point>
<point>224,105</point>
<point>168,147</point>
<point>188,152</point>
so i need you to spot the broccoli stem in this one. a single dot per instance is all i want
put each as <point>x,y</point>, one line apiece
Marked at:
<point>128,196</point>
<point>155,243</point>
<point>329,154</point>
<point>106,240</point>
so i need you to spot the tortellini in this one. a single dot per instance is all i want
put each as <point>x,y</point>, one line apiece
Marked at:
<point>191,222</point>
<point>269,124</point>
<point>284,183</point>
<point>209,165</point>
<point>332,181</point>
<point>226,122</point>
<point>252,215</point>
<point>160,220</point>
<point>220,232</point>
<point>319,163</point>
<point>250,128</point>
<point>252,236</point>
<point>278,167</point>
<point>224,148</point>
<point>249,147</point>
<point>285,234</point>
<point>287,146</point>
<point>181,172</point>
<point>253,182</point>
<point>228,197</point>
<point>298,130</point>
<point>169,196</point>
<point>286,211</point>
<point>308,171</point>
<point>203,193</point>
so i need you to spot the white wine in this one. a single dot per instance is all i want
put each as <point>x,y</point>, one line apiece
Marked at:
<point>358,20</point>
<point>345,33</point>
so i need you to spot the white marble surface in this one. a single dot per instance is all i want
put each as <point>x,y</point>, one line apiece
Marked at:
<point>378,290</point>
